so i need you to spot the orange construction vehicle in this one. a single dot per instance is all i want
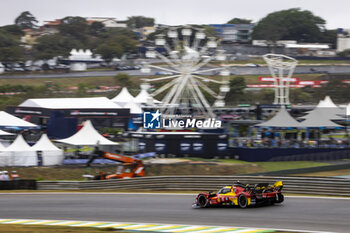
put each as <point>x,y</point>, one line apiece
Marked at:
<point>128,168</point>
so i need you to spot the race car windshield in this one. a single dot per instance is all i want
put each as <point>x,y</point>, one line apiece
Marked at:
<point>224,190</point>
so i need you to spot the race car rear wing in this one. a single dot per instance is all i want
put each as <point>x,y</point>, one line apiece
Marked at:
<point>278,185</point>
<point>264,186</point>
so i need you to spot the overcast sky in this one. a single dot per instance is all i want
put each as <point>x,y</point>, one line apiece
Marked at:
<point>173,12</point>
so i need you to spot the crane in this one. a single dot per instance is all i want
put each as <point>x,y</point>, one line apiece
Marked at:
<point>128,168</point>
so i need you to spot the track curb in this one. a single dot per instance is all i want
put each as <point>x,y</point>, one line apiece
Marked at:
<point>147,227</point>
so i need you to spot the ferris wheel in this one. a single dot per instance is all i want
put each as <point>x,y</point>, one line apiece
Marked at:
<point>185,73</point>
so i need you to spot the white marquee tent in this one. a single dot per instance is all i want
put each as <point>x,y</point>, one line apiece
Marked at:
<point>70,103</point>
<point>87,136</point>
<point>123,97</point>
<point>319,118</point>
<point>281,120</point>
<point>4,133</point>
<point>145,98</point>
<point>328,103</point>
<point>51,154</point>
<point>327,109</point>
<point>19,153</point>
<point>8,120</point>
<point>134,108</point>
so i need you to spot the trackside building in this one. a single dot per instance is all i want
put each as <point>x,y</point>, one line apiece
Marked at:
<point>60,117</point>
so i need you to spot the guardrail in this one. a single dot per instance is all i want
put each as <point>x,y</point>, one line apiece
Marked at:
<point>18,184</point>
<point>299,185</point>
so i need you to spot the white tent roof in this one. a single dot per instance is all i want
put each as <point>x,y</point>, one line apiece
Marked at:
<point>69,103</point>
<point>327,109</point>
<point>321,104</point>
<point>8,120</point>
<point>88,136</point>
<point>4,133</point>
<point>2,147</point>
<point>143,98</point>
<point>123,97</point>
<point>44,143</point>
<point>135,108</point>
<point>308,46</point>
<point>318,118</point>
<point>326,113</point>
<point>281,120</point>
<point>347,110</point>
<point>19,144</point>
<point>327,103</point>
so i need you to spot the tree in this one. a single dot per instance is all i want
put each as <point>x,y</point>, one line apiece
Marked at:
<point>13,29</point>
<point>345,53</point>
<point>49,46</point>
<point>265,96</point>
<point>11,54</point>
<point>116,46</point>
<point>109,51</point>
<point>336,88</point>
<point>10,49</point>
<point>139,22</point>
<point>299,95</point>
<point>291,24</point>
<point>123,80</point>
<point>75,27</point>
<point>239,21</point>
<point>96,28</point>
<point>26,20</point>
<point>330,36</point>
<point>237,86</point>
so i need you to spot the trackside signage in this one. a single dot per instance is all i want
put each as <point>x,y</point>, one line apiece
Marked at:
<point>154,120</point>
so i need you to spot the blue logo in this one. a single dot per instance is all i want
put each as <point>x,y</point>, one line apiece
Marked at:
<point>151,120</point>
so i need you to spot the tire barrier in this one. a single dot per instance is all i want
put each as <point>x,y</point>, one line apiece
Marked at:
<point>297,185</point>
<point>18,184</point>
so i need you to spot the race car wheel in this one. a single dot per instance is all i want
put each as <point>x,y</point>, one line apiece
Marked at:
<point>279,198</point>
<point>242,201</point>
<point>202,201</point>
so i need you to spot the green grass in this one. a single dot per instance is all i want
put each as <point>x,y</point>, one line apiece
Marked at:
<point>63,82</point>
<point>82,149</point>
<point>231,161</point>
<point>222,167</point>
<point>340,172</point>
<point>267,166</point>
<point>277,166</point>
<point>323,61</point>
<point>135,80</point>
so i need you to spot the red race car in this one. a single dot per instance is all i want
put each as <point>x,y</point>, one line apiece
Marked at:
<point>242,195</point>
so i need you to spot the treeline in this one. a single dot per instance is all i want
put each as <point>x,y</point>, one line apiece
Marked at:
<point>291,24</point>
<point>73,32</point>
<point>76,32</point>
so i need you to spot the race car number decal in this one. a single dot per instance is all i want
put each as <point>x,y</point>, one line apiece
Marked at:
<point>223,199</point>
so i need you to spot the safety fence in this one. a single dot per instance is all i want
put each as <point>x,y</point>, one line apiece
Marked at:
<point>298,185</point>
<point>18,184</point>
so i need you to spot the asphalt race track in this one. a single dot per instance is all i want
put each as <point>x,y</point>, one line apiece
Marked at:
<point>300,213</point>
<point>331,69</point>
